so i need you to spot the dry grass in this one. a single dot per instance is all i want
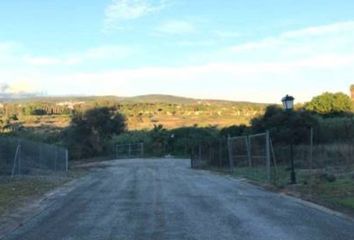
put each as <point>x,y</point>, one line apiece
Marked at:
<point>15,192</point>
<point>311,185</point>
<point>324,155</point>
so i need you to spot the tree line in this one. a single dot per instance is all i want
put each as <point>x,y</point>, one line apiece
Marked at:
<point>95,129</point>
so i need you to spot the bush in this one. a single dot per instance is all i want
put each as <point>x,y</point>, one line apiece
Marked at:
<point>330,104</point>
<point>339,129</point>
<point>159,141</point>
<point>91,131</point>
<point>186,138</point>
<point>285,127</point>
<point>235,131</point>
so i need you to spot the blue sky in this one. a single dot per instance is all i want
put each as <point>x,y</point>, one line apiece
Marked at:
<point>252,50</point>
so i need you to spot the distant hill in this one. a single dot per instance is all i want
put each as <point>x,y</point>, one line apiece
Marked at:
<point>142,112</point>
<point>149,98</point>
<point>158,98</point>
<point>161,98</point>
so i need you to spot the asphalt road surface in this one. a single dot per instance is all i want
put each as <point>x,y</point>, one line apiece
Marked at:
<point>165,199</point>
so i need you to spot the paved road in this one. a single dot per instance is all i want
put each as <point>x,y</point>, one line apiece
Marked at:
<point>165,199</point>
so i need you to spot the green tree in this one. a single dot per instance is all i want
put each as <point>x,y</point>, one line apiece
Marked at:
<point>330,104</point>
<point>285,126</point>
<point>91,131</point>
<point>235,130</point>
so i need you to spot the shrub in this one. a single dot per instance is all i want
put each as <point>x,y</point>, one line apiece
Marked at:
<point>90,131</point>
<point>330,104</point>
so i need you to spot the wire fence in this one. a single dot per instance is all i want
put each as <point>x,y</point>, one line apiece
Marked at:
<point>259,158</point>
<point>24,157</point>
<point>210,154</point>
<point>129,150</point>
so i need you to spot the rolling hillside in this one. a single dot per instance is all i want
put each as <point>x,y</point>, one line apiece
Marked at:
<point>142,112</point>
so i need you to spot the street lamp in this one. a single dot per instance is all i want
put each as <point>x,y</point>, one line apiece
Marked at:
<point>288,103</point>
<point>170,143</point>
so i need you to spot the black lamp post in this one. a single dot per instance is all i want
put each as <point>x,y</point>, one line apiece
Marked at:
<point>288,103</point>
<point>172,136</point>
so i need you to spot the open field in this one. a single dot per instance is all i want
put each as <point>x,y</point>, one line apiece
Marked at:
<point>142,112</point>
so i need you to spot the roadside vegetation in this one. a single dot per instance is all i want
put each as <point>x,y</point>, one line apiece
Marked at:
<point>322,186</point>
<point>324,169</point>
<point>91,128</point>
<point>15,192</point>
<point>18,191</point>
<point>50,115</point>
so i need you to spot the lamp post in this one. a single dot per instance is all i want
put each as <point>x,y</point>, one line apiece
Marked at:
<point>172,136</point>
<point>288,103</point>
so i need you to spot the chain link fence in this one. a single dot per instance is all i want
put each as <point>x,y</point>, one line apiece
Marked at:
<point>253,154</point>
<point>210,154</point>
<point>24,157</point>
<point>258,157</point>
<point>129,150</point>
<point>315,152</point>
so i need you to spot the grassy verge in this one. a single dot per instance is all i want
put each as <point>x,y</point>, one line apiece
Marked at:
<point>15,192</point>
<point>338,194</point>
<point>312,185</point>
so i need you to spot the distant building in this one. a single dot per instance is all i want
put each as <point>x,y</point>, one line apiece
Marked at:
<point>69,104</point>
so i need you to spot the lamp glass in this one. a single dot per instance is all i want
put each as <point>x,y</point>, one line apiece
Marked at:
<point>288,102</point>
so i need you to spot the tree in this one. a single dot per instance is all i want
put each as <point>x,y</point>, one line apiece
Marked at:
<point>285,126</point>
<point>330,104</point>
<point>90,131</point>
<point>234,130</point>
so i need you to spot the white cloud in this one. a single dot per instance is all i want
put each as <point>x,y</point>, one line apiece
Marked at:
<point>9,51</point>
<point>108,52</point>
<point>304,63</point>
<point>7,46</point>
<point>22,87</point>
<point>17,89</point>
<point>312,36</point>
<point>101,53</point>
<point>227,34</point>
<point>34,60</point>
<point>321,30</point>
<point>239,81</point>
<point>263,82</point>
<point>176,27</point>
<point>203,43</point>
<point>122,10</point>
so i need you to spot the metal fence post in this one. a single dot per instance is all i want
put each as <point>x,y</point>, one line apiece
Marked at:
<point>311,148</point>
<point>19,159</point>
<point>18,148</point>
<point>229,146</point>
<point>142,150</point>
<point>220,153</point>
<point>200,153</point>
<point>274,161</point>
<point>192,157</point>
<point>55,159</point>
<point>268,155</point>
<point>249,153</point>
<point>66,160</point>
<point>40,158</point>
